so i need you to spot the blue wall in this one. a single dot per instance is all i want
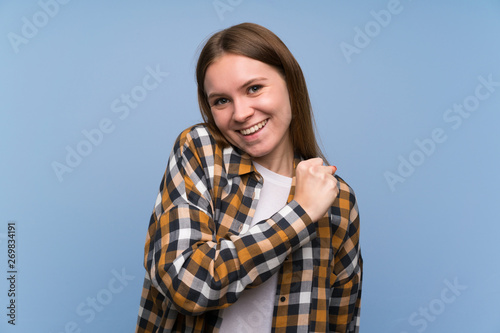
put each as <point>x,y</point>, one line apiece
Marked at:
<point>406,96</point>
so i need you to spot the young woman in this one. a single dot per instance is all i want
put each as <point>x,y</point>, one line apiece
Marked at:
<point>251,231</point>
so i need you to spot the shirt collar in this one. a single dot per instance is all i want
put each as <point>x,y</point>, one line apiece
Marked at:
<point>240,163</point>
<point>237,162</point>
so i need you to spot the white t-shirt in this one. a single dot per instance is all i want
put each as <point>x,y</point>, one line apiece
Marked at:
<point>253,311</point>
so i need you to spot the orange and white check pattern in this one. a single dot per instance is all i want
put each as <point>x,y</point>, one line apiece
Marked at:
<point>200,252</point>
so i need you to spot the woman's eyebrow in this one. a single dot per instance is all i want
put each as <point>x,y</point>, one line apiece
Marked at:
<point>249,82</point>
<point>215,94</point>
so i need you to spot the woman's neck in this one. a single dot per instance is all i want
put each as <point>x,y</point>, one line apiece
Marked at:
<point>280,164</point>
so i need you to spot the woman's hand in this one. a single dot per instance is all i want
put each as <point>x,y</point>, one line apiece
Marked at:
<point>316,187</point>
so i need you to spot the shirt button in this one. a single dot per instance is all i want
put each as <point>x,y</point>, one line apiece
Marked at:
<point>283,298</point>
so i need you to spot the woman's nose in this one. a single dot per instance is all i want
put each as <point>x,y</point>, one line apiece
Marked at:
<point>242,111</point>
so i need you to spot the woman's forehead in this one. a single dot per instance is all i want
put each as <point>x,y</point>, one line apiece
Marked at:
<point>232,70</point>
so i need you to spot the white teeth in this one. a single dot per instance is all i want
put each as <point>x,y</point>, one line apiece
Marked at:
<point>253,129</point>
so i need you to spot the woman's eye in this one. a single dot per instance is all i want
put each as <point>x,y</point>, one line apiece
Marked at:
<point>254,89</point>
<point>221,101</point>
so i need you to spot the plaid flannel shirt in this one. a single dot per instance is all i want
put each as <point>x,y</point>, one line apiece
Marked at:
<point>200,252</point>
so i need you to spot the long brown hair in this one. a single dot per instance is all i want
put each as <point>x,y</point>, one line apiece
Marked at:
<point>256,42</point>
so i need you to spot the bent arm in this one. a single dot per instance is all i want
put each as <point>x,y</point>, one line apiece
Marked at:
<point>185,260</point>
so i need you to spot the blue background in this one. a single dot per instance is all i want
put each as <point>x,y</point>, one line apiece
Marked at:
<point>434,228</point>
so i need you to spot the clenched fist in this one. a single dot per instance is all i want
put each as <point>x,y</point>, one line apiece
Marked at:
<point>316,187</point>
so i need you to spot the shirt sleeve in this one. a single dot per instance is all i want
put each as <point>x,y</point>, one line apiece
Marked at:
<point>345,302</point>
<point>184,259</point>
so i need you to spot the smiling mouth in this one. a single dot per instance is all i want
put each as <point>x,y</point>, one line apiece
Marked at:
<point>254,128</point>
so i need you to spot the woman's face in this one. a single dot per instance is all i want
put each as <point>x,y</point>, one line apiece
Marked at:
<point>251,107</point>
